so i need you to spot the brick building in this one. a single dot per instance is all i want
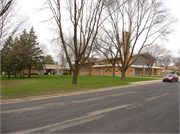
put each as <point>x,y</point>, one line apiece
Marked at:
<point>104,67</point>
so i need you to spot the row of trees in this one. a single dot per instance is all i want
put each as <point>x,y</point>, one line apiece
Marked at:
<point>156,54</point>
<point>168,59</point>
<point>149,56</point>
<point>95,21</point>
<point>176,61</point>
<point>21,53</point>
<point>92,22</point>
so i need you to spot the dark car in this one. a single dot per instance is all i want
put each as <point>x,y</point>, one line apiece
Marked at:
<point>170,77</point>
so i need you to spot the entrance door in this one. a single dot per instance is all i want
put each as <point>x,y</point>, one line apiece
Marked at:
<point>101,71</point>
<point>136,71</point>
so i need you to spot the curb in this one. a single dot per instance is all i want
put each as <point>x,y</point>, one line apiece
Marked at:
<point>145,82</point>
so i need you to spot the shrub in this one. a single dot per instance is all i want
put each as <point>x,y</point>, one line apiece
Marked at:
<point>45,73</point>
<point>66,73</point>
<point>31,73</point>
<point>34,73</point>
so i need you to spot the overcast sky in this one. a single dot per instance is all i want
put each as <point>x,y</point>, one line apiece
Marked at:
<point>30,8</point>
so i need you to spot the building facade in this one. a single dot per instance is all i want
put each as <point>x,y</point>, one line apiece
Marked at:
<point>105,68</point>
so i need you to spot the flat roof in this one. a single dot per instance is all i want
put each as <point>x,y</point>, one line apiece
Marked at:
<point>136,66</point>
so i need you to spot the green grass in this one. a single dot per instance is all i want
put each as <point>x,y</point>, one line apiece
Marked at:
<point>54,84</point>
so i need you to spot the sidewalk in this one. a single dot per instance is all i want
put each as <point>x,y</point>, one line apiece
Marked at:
<point>145,82</point>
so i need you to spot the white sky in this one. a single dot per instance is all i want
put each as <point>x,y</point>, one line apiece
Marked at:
<point>30,8</point>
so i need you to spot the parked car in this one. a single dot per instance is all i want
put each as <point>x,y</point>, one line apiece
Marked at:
<point>170,77</point>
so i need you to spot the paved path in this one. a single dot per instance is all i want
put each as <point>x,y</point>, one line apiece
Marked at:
<point>151,108</point>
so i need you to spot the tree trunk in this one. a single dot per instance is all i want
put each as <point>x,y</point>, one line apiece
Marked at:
<point>61,72</point>
<point>20,73</point>
<point>149,71</point>
<point>29,73</point>
<point>23,73</point>
<point>113,70</point>
<point>90,71</point>
<point>15,74</point>
<point>123,75</point>
<point>75,74</point>
<point>8,74</point>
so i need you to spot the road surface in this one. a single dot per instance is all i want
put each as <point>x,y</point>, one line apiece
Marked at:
<point>152,108</point>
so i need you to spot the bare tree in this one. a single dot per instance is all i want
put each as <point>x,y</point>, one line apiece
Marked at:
<point>10,21</point>
<point>91,59</point>
<point>176,62</point>
<point>166,59</point>
<point>134,25</point>
<point>63,63</point>
<point>84,16</point>
<point>151,54</point>
<point>58,50</point>
<point>108,49</point>
<point>44,48</point>
<point>5,7</point>
<point>61,56</point>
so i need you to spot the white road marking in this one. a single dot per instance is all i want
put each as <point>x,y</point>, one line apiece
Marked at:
<point>155,97</point>
<point>73,122</point>
<point>102,97</point>
<point>52,105</point>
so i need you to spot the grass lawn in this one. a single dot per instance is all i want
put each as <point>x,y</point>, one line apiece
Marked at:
<point>54,84</point>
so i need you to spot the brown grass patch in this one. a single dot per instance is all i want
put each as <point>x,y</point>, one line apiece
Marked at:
<point>7,84</point>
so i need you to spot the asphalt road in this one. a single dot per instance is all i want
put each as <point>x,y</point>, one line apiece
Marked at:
<point>152,108</point>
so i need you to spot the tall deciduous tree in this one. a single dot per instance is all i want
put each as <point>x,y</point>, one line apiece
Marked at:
<point>165,60</point>
<point>107,47</point>
<point>151,54</point>
<point>5,7</point>
<point>11,22</point>
<point>176,62</point>
<point>84,16</point>
<point>63,63</point>
<point>134,25</point>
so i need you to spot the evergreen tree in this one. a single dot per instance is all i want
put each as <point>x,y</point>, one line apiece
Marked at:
<point>48,60</point>
<point>22,53</point>
<point>35,54</point>
<point>7,56</point>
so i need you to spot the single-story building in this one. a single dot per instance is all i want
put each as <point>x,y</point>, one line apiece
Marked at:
<point>53,69</point>
<point>107,69</point>
<point>171,68</point>
<point>48,69</point>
